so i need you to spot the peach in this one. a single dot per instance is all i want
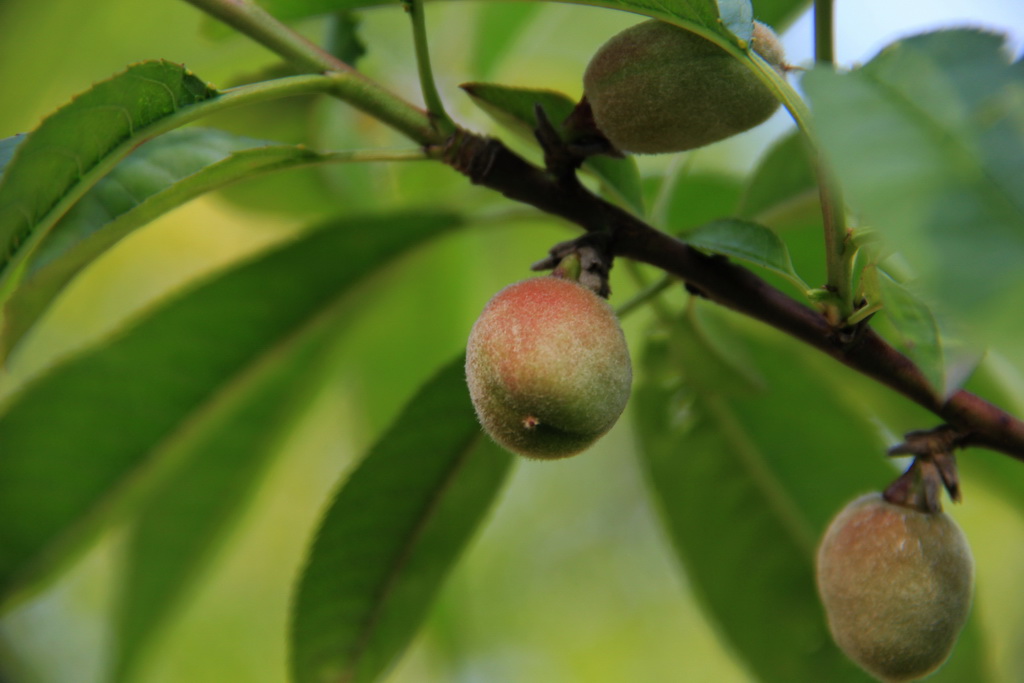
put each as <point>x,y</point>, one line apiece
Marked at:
<point>548,368</point>
<point>657,88</point>
<point>896,584</point>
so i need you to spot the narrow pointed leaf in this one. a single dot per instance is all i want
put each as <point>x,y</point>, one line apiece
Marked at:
<point>749,242</point>
<point>181,526</point>
<point>392,533</point>
<point>80,438</point>
<point>514,108</point>
<point>71,143</point>
<point>153,180</point>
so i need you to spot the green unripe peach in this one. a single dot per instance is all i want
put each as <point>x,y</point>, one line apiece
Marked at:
<point>547,367</point>
<point>896,584</point>
<point>657,88</point>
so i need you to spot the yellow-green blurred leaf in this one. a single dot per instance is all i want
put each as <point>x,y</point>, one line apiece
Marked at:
<point>101,427</point>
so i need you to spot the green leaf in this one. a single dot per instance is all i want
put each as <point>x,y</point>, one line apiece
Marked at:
<point>926,140</point>
<point>69,147</point>
<point>343,39</point>
<point>734,526</point>
<point>498,27</point>
<point>746,485</point>
<point>687,199</point>
<point>748,561</point>
<point>918,330</point>
<point>716,362</point>
<point>783,188</point>
<point>154,179</point>
<point>391,535</point>
<point>224,455</point>
<point>514,108</point>
<point>749,242</point>
<point>701,14</point>
<point>85,438</point>
<point>157,168</point>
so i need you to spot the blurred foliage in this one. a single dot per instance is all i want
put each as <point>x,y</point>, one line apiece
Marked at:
<point>927,139</point>
<point>311,305</point>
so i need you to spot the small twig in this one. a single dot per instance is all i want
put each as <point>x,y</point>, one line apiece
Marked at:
<point>646,295</point>
<point>350,85</point>
<point>431,96</point>
<point>838,248</point>
<point>824,32</point>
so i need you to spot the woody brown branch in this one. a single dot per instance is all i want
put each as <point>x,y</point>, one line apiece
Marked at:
<point>488,162</point>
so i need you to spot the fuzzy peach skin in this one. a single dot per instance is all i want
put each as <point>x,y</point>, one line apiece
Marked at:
<point>896,584</point>
<point>548,368</point>
<point>656,88</point>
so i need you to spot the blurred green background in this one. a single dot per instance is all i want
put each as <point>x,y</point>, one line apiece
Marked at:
<point>571,579</point>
